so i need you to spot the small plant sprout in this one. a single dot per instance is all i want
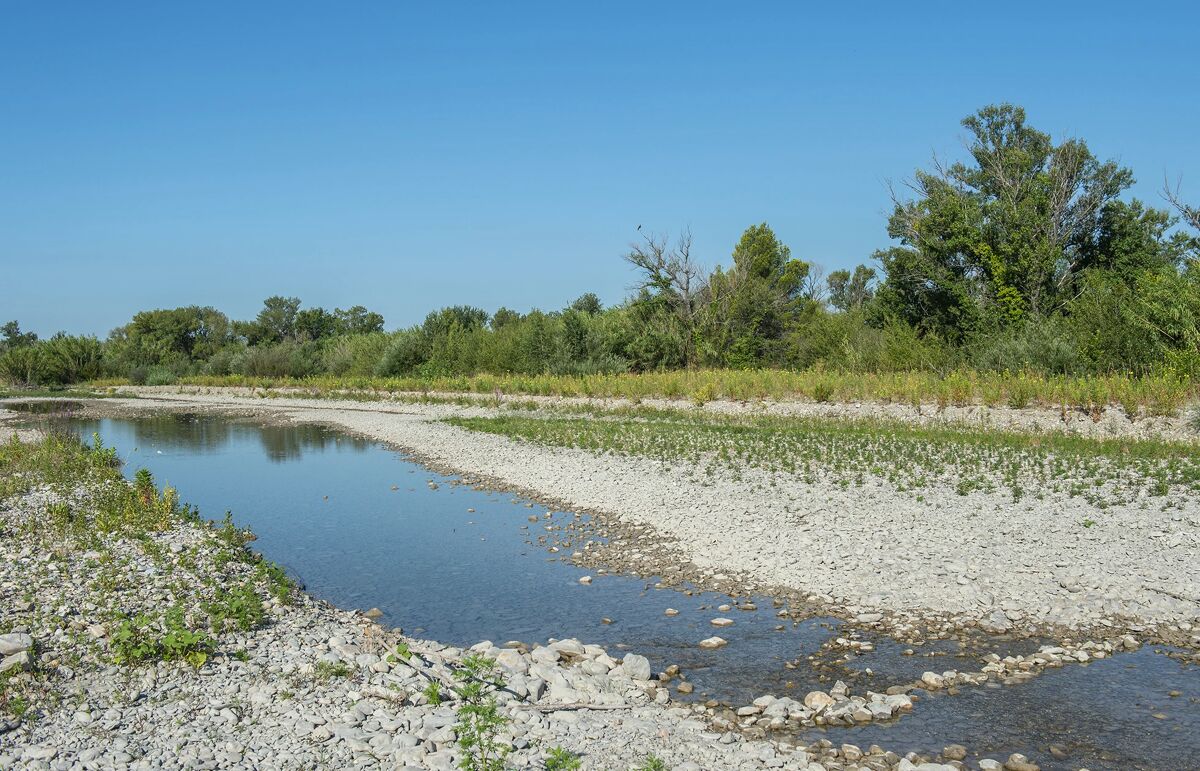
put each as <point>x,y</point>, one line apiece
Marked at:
<point>652,763</point>
<point>479,717</point>
<point>560,759</point>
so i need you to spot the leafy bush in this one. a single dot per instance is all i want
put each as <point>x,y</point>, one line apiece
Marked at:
<point>327,670</point>
<point>142,639</point>
<point>60,360</point>
<point>227,361</point>
<point>239,607</point>
<point>21,365</point>
<point>287,359</point>
<point>355,354</point>
<point>1048,346</point>
<point>159,376</point>
<point>560,759</point>
<point>406,351</point>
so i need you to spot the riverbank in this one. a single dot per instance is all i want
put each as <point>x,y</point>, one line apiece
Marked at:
<point>779,716</point>
<point>1133,397</point>
<point>1092,556</point>
<point>1176,419</point>
<point>136,636</point>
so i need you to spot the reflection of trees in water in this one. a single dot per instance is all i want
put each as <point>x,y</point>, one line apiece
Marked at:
<point>208,433</point>
<point>288,442</point>
<point>182,431</point>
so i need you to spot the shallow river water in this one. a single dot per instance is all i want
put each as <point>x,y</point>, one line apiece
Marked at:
<point>362,526</point>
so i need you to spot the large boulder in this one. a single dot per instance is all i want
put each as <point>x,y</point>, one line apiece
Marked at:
<point>15,642</point>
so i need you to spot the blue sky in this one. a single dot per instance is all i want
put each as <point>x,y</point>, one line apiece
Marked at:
<point>408,156</point>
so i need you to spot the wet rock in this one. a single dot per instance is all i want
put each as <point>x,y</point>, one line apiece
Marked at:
<point>933,680</point>
<point>954,752</point>
<point>817,700</point>
<point>721,622</point>
<point>713,642</point>
<point>1018,762</point>
<point>670,612</point>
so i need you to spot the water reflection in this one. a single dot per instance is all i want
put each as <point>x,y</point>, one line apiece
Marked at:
<point>190,432</point>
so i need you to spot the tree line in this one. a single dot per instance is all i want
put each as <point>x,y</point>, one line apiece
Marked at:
<point>1025,255</point>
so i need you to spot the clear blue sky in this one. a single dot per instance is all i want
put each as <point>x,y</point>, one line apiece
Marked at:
<point>406,157</point>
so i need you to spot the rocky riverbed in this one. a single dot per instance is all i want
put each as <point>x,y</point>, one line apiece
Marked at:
<point>285,681</point>
<point>314,686</point>
<point>1052,562</point>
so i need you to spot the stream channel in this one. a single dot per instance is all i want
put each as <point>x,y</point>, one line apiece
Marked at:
<point>362,526</point>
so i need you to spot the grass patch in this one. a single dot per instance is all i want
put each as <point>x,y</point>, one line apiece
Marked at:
<point>100,529</point>
<point>1155,394</point>
<point>850,452</point>
<point>327,670</point>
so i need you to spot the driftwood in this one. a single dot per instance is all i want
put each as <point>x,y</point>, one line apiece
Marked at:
<point>568,706</point>
<point>398,697</point>
<point>1173,594</point>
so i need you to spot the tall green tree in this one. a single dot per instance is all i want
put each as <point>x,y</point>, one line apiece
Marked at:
<point>851,291</point>
<point>670,293</point>
<point>14,337</point>
<point>170,336</point>
<point>1002,236</point>
<point>315,324</point>
<point>276,321</point>
<point>357,320</point>
<point>750,306</point>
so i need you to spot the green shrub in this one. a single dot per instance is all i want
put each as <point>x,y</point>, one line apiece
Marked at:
<point>240,607</point>
<point>355,354</point>
<point>21,366</point>
<point>326,670</point>
<point>1048,346</point>
<point>406,351</point>
<point>143,639</point>
<point>479,717</point>
<point>559,759</point>
<point>287,359</point>
<point>159,376</point>
<point>227,361</point>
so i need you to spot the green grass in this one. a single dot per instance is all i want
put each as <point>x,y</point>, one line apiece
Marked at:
<point>326,671</point>
<point>63,392</point>
<point>853,452</point>
<point>96,509</point>
<point>1137,395</point>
